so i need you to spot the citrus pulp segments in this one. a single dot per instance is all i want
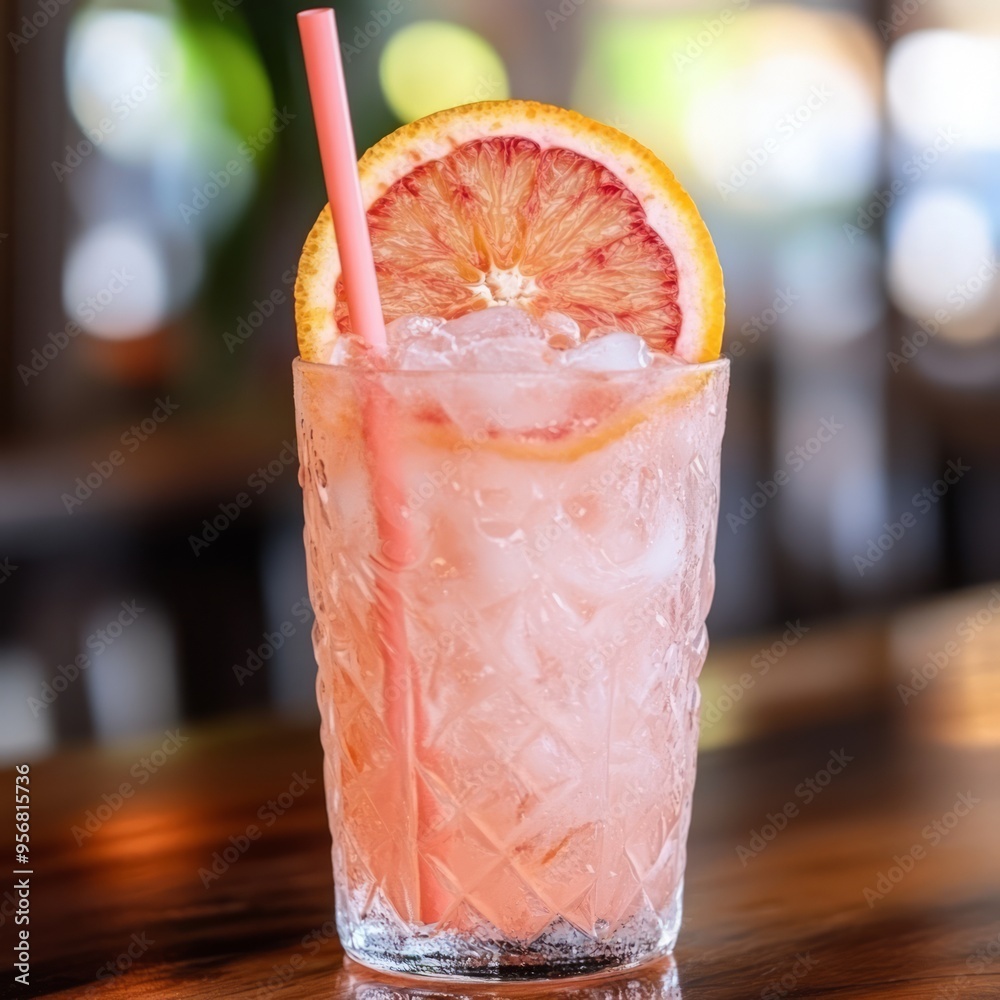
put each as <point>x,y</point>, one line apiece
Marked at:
<point>476,259</point>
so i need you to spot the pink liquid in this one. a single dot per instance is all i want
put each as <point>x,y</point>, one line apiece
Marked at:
<point>519,802</point>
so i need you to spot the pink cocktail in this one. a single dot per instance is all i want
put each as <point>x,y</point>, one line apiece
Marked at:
<point>511,496</point>
<point>515,802</point>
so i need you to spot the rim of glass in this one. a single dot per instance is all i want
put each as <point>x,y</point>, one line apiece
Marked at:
<point>323,368</point>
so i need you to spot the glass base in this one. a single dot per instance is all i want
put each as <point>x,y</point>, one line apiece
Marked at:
<point>561,951</point>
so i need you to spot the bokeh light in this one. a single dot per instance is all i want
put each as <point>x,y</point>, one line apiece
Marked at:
<point>115,282</point>
<point>974,15</point>
<point>431,65</point>
<point>126,74</point>
<point>788,139</point>
<point>178,120</point>
<point>140,82</point>
<point>773,108</point>
<point>945,81</point>
<point>941,261</point>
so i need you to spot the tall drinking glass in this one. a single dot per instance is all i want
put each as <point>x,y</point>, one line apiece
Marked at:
<point>508,690</point>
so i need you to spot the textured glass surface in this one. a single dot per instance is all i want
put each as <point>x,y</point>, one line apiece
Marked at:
<point>509,785</point>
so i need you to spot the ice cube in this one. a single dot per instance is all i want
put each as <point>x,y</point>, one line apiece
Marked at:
<point>489,401</point>
<point>348,350</point>
<point>497,321</point>
<point>560,330</point>
<point>406,328</point>
<point>612,352</point>
<point>433,351</point>
<point>417,343</point>
<point>499,339</point>
<point>511,354</point>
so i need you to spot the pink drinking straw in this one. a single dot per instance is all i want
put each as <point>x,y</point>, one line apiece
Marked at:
<point>328,91</point>
<point>417,896</point>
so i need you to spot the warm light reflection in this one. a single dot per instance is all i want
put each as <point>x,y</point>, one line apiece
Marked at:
<point>946,666</point>
<point>431,65</point>
<point>161,837</point>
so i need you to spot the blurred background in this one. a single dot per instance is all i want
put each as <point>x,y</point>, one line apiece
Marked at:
<point>160,172</point>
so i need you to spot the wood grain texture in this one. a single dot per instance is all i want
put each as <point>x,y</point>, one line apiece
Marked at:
<point>263,929</point>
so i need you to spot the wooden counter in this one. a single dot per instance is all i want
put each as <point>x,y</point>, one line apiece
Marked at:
<point>785,916</point>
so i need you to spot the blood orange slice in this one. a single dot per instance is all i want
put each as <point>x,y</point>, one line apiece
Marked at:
<point>514,202</point>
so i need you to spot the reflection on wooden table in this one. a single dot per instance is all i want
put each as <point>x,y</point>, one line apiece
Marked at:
<point>850,849</point>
